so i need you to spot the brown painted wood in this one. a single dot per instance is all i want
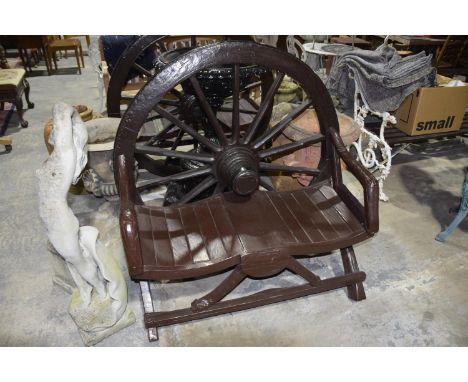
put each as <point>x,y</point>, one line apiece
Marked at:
<point>221,291</point>
<point>301,222</point>
<point>270,296</point>
<point>209,112</point>
<point>355,290</point>
<point>256,233</point>
<point>265,106</point>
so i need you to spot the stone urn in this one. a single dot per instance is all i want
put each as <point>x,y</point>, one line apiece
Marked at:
<point>98,177</point>
<point>287,92</point>
<point>86,114</point>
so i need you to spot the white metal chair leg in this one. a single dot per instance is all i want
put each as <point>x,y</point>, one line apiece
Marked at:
<point>148,307</point>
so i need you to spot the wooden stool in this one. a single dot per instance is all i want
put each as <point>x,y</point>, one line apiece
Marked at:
<point>66,44</point>
<point>12,86</point>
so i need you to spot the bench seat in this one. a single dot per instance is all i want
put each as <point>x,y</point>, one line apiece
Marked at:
<point>217,233</point>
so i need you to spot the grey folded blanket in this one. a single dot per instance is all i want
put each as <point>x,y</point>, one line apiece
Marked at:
<point>383,77</point>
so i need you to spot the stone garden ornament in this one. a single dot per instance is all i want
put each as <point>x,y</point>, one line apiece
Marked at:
<point>99,302</point>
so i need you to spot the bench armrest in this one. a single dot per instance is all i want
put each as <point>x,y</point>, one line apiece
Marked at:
<point>365,178</point>
<point>128,219</point>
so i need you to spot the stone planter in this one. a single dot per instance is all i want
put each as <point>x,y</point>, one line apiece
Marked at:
<point>287,92</point>
<point>98,178</point>
<point>86,114</point>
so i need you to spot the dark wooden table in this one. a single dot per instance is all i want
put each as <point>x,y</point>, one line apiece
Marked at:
<point>25,42</point>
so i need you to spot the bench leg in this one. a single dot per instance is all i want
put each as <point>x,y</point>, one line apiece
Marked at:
<point>221,291</point>
<point>265,297</point>
<point>302,271</point>
<point>212,304</point>
<point>350,265</point>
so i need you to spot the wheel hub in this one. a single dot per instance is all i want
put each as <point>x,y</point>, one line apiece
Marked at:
<point>237,168</point>
<point>190,111</point>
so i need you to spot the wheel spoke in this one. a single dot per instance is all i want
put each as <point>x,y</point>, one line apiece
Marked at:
<point>287,148</point>
<point>218,189</point>
<point>152,150</point>
<point>209,111</point>
<point>154,117</point>
<point>155,166</point>
<point>177,93</point>
<point>203,140</point>
<point>266,104</point>
<point>250,101</point>
<point>179,176</point>
<point>265,185</point>
<point>194,192</point>
<point>242,111</point>
<point>169,102</point>
<point>288,169</point>
<point>176,143</point>
<point>177,140</point>
<point>168,144</point>
<point>252,86</point>
<point>160,134</point>
<point>225,127</point>
<point>275,130</point>
<point>235,105</point>
<point>142,70</point>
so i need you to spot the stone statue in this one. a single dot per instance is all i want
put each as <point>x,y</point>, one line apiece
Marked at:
<point>99,301</point>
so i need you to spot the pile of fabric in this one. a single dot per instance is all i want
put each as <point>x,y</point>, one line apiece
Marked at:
<point>382,76</point>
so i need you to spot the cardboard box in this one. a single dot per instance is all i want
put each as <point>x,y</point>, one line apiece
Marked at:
<point>432,110</point>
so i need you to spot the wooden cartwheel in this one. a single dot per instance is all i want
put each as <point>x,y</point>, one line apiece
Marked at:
<point>179,101</point>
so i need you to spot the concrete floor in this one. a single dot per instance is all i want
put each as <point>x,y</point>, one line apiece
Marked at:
<point>416,287</point>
